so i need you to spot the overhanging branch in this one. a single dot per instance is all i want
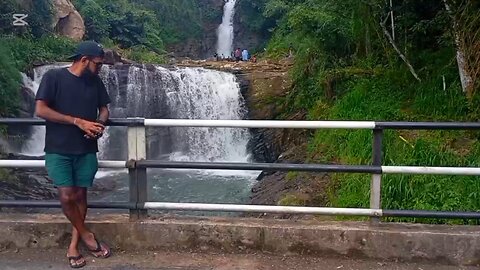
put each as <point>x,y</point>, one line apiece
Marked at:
<point>394,45</point>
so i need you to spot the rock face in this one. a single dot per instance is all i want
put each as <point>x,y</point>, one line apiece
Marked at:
<point>294,188</point>
<point>19,133</point>
<point>113,58</point>
<point>250,29</point>
<point>197,48</point>
<point>27,104</point>
<point>25,184</point>
<point>204,45</point>
<point>67,21</point>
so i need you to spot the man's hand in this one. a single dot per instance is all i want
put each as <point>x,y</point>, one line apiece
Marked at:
<point>92,130</point>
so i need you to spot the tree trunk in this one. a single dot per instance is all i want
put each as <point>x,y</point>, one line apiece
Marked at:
<point>395,47</point>
<point>465,77</point>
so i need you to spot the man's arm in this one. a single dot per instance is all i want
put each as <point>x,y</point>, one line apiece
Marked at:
<point>103,114</point>
<point>43,111</point>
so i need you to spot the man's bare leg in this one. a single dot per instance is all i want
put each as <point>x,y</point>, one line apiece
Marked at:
<point>71,210</point>
<point>68,198</point>
<point>81,199</point>
<point>74,205</point>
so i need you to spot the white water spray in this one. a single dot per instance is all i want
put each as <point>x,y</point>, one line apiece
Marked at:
<point>225,30</point>
<point>207,94</point>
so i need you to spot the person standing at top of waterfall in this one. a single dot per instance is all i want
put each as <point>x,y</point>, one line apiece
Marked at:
<point>73,101</point>
<point>238,55</point>
<point>245,55</point>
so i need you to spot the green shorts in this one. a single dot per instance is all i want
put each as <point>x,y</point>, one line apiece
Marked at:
<point>71,170</point>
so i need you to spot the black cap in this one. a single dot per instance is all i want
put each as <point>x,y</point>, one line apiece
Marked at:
<point>88,48</point>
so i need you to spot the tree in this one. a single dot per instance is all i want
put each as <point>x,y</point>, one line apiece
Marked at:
<point>9,83</point>
<point>97,21</point>
<point>466,31</point>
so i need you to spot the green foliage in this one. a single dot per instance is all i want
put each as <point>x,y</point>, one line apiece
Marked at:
<point>18,54</point>
<point>291,200</point>
<point>250,13</point>
<point>153,24</point>
<point>142,54</point>
<point>9,83</point>
<point>7,8</point>
<point>145,26</point>
<point>40,17</point>
<point>124,22</point>
<point>291,176</point>
<point>21,47</point>
<point>7,176</point>
<point>393,97</point>
<point>346,69</point>
<point>27,52</point>
<point>178,20</point>
<point>97,20</point>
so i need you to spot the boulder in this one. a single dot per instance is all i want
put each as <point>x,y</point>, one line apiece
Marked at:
<point>67,21</point>
<point>113,58</point>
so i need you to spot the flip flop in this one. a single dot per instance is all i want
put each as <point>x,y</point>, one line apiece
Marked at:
<point>72,261</point>
<point>99,249</point>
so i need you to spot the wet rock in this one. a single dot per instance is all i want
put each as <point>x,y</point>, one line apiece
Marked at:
<point>113,58</point>
<point>17,134</point>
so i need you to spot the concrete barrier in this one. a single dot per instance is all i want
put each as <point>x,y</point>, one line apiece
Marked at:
<point>457,245</point>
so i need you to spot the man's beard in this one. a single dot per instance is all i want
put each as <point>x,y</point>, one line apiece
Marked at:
<point>88,74</point>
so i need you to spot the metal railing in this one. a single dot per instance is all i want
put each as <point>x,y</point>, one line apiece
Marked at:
<point>137,165</point>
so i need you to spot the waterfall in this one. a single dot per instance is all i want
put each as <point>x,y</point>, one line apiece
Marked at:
<point>181,93</point>
<point>157,92</point>
<point>205,94</point>
<point>225,30</point>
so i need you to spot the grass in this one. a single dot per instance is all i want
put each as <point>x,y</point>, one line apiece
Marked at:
<point>291,200</point>
<point>393,96</point>
<point>6,176</point>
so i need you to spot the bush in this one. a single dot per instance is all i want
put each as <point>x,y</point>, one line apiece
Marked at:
<point>9,84</point>
<point>27,52</point>
<point>142,54</point>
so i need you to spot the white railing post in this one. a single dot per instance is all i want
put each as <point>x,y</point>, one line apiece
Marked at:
<point>138,176</point>
<point>376,182</point>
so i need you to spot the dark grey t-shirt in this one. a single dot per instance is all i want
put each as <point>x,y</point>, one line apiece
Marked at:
<point>75,96</point>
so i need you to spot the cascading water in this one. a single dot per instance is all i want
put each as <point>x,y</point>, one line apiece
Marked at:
<point>183,93</point>
<point>180,93</point>
<point>203,94</point>
<point>225,30</point>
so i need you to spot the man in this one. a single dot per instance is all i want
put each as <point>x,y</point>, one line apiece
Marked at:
<point>73,101</point>
<point>238,55</point>
<point>245,55</point>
